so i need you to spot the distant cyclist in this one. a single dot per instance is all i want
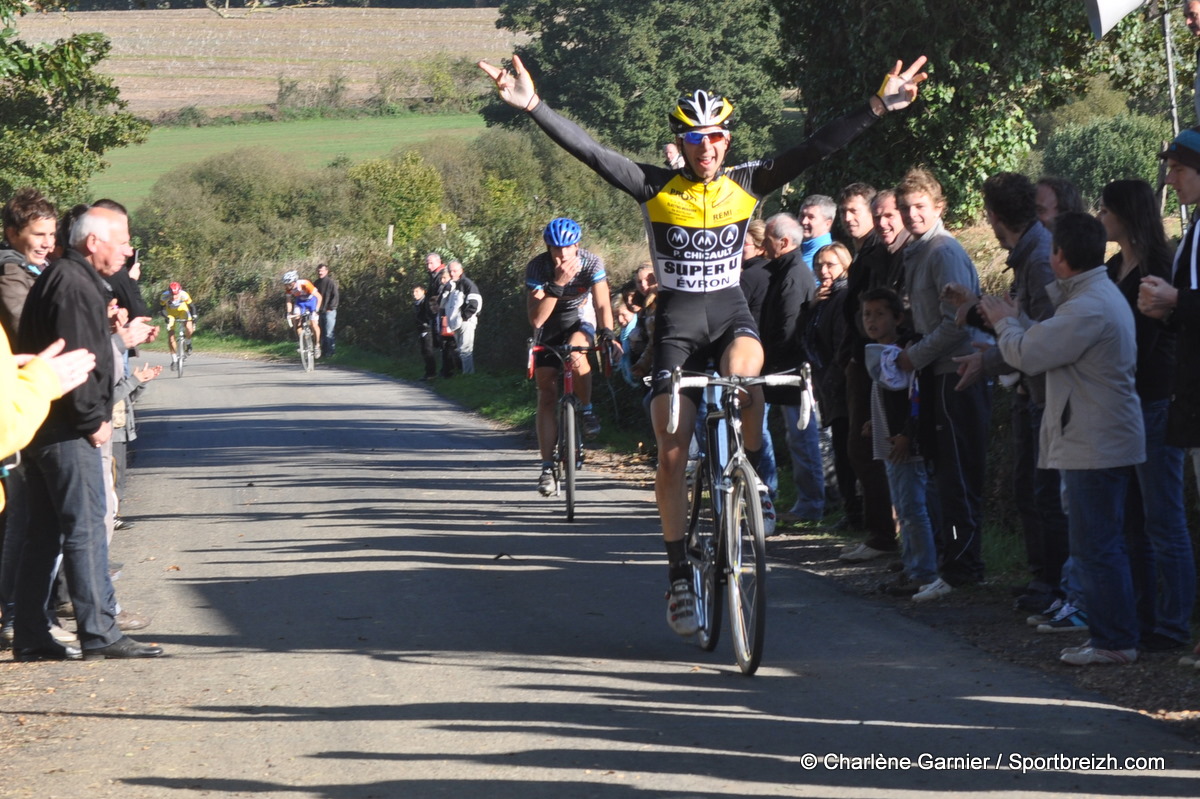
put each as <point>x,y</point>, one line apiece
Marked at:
<point>696,218</point>
<point>561,281</point>
<point>302,297</point>
<point>176,304</point>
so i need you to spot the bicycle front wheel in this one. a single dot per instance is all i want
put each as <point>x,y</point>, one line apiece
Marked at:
<point>569,451</point>
<point>704,556</point>
<point>307,355</point>
<point>746,557</point>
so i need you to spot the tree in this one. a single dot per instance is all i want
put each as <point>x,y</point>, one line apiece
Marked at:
<point>618,66</point>
<point>405,192</point>
<point>59,115</point>
<point>992,66</point>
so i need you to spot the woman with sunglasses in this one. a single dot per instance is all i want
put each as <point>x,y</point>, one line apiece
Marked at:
<point>696,219</point>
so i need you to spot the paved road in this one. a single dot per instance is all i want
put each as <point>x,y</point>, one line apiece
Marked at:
<point>361,595</point>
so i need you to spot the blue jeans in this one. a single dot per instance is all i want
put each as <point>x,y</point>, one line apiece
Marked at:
<point>768,473</point>
<point>1096,498</point>
<point>808,473</point>
<point>1160,548</point>
<point>918,549</point>
<point>66,505</point>
<point>327,321</point>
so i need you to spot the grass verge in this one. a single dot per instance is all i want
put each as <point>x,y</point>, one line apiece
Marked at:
<point>133,171</point>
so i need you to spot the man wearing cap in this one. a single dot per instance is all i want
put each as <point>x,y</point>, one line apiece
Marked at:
<point>696,218</point>
<point>1177,303</point>
<point>175,305</point>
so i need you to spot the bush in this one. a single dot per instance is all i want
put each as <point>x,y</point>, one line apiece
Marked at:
<point>1104,150</point>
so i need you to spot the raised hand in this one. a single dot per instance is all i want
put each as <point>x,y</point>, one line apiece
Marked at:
<point>516,87</point>
<point>899,87</point>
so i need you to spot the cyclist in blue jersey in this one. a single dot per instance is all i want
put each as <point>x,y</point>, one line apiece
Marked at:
<point>568,295</point>
<point>696,218</point>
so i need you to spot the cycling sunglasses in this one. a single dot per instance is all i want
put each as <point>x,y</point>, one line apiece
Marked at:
<point>692,137</point>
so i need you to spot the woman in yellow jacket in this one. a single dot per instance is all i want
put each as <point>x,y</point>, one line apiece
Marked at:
<point>28,384</point>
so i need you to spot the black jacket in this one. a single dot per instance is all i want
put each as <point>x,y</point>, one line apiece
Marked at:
<point>874,267</point>
<point>1183,419</point>
<point>824,331</point>
<point>128,295</point>
<point>70,301</point>
<point>754,285</point>
<point>790,287</point>
<point>328,289</point>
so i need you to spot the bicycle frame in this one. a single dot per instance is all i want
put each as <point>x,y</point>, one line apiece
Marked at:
<point>730,555</point>
<point>568,448</point>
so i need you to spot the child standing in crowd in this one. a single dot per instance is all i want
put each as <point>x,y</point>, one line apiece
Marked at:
<point>893,430</point>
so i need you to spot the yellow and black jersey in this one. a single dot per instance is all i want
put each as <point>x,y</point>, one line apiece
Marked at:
<point>696,229</point>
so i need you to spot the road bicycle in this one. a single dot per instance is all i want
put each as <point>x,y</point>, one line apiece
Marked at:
<point>568,447</point>
<point>726,546</point>
<point>183,345</point>
<point>308,346</point>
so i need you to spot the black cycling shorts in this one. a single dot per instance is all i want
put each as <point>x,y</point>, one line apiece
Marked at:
<point>561,336</point>
<point>692,330</point>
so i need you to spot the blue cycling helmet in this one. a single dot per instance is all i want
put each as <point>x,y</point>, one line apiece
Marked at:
<point>562,232</point>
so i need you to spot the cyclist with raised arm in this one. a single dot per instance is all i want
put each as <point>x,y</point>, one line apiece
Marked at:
<point>567,294</point>
<point>696,218</point>
<point>302,297</point>
<point>175,305</point>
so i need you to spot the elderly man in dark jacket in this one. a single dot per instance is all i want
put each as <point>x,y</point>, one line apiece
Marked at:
<point>790,288</point>
<point>63,469</point>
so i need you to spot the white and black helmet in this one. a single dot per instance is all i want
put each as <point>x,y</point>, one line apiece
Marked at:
<point>700,110</point>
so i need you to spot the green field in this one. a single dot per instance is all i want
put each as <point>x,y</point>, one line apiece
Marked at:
<point>314,142</point>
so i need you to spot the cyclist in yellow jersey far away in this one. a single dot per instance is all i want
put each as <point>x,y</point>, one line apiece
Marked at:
<point>567,298</point>
<point>175,303</point>
<point>696,218</point>
<point>302,297</point>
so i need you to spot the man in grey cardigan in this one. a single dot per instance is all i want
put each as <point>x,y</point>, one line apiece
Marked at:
<point>1092,427</point>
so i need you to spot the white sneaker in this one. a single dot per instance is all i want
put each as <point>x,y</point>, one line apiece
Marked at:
<point>681,608</point>
<point>935,590</point>
<point>1091,656</point>
<point>768,514</point>
<point>63,636</point>
<point>861,554</point>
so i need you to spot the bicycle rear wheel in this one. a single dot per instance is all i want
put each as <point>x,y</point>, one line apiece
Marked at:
<point>703,554</point>
<point>746,581</point>
<point>307,355</point>
<point>569,451</point>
